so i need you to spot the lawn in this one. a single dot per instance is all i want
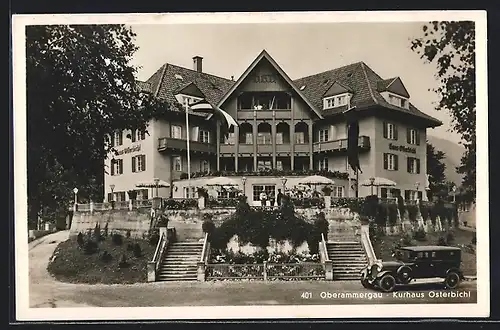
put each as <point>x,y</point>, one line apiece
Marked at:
<point>105,264</point>
<point>462,238</point>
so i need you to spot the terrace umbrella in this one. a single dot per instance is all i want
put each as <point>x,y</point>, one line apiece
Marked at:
<point>378,182</point>
<point>315,180</point>
<point>220,181</point>
<point>155,183</point>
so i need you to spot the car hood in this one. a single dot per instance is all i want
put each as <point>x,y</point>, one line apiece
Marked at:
<point>391,264</point>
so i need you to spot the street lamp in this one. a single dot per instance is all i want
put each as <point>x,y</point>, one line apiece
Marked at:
<point>75,191</point>
<point>454,189</point>
<point>112,186</point>
<point>417,185</point>
<point>372,182</point>
<point>283,182</point>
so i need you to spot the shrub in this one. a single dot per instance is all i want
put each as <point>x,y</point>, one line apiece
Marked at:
<point>128,233</point>
<point>130,247</point>
<point>106,257</point>
<point>392,211</point>
<point>106,230</point>
<point>80,240</point>
<point>117,239</point>
<point>407,239</point>
<point>90,247</point>
<point>97,233</point>
<point>370,206</point>
<point>442,241</point>
<point>381,215</point>
<point>450,237</point>
<point>123,262</point>
<point>420,235</point>
<point>154,237</point>
<point>412,212</point>
<point>137,250</point>
<point>208,226</point>
<point>321,224</point>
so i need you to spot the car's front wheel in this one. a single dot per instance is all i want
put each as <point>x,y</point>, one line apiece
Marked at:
<point>365,283</point>
<point>387,283</point>
<point>452,280</point>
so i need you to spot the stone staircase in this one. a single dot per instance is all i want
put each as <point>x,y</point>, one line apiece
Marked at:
<point>180,262</point>
<point>348,258</point>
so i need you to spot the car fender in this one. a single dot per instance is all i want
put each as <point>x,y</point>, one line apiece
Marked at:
<point>364,272</point>
<point>456,270</point>
<point>385,272</point>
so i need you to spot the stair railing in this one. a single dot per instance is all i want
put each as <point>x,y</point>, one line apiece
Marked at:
<point>367,244</point>
<point>325,259</point>
<point>205,252</point>
<point>155,263</point>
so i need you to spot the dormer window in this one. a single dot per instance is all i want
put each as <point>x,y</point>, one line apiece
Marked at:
<point>397,100</point>
<point>187,99</point>
<point>336,101</point>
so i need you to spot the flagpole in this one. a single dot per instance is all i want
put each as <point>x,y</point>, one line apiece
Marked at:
<point>188,151</point>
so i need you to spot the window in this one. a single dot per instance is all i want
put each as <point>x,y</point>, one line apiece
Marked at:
<point>205,166</point>
<point>224,193</point>
<point>139,163</point>
<point>110,197</point>
<point>323,164</point>
<point>413,136</point>
<point>230,138</point>
<point>190,193</point>
<point>116,166</point>
<point>263,165</point>
<point>143,194</point>
<point>279,165</point>
<point>390,131</point>
<point>259,189</point>
<point>120,196</point>
<point>176,132</point>
<point>335,101</point>
<point>338,191</point>
<point>398,101</point>
<point>413,165</point>
<point>177,163</point>
<point>204,136</point>
<point>390,162</point>
<point>263,138</point>
<point>189,100</point>
<point>118,138</point>
<point>383,192</point>
<point>248,138</point>
<point>323,135</point>
<point>138,135</point>
<point>299,138</point>
<point>279,138</point>
<point>411,195</point>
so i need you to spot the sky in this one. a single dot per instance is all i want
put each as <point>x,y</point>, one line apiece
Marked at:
<point>301,49</point>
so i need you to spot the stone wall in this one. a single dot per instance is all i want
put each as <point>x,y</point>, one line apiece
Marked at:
<point>188,223</point>
<point>136,221</point>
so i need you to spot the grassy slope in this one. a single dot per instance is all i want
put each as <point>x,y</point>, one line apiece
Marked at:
<point>70,264</point>
<point>383,247</point>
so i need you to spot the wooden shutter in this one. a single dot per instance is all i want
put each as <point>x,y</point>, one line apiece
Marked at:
<point>143,162</point>
<point>386,161</point>
<point>418,165</point>
<point>407,194</point>
<point>408,135</point>
<point>112,139</point>
<point>395,131</point>
<point>133,164</point>
<point>420,195</point>
<point>395,162</point>
<point>383,192</point>
<point>417,133</point>
<point>408,164</point>
<point>112,167</point>
<point>384,124</point>
<point>133,133</point>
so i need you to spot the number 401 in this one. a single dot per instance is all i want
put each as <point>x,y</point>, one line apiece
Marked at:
<point>306,295</point>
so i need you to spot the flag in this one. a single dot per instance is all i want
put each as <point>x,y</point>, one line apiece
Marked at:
<point>205,107</point>
<point>352,140</point>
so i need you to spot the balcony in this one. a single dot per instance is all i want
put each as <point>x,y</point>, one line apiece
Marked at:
<point>166,143</point>
<point>264,114</point>
<point>341,145</point>
<point>226,149</point>
<point>265,148</point>
<point>283,148</point>
<point>302,148</point>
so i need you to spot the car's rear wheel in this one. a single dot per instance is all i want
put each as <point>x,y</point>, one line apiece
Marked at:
<point>452,280</point>
<point>404,275</point>
<point>387,283</point>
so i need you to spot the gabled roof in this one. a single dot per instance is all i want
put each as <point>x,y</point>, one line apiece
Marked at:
<point>166,82</point>
<point>364,84</point>
<point>336,88</point>
<point>265,55</point>
<point>189,89</point>
<point>393,85</point>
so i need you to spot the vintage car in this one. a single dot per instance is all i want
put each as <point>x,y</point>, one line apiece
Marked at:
<point>414,262</point>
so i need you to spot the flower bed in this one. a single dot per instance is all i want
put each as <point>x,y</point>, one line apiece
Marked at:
<point>180,204</point>
<point>261,265</point>
<point>221,202</point>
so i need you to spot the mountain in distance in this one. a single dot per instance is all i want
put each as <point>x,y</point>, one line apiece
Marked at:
<point>453,153</point>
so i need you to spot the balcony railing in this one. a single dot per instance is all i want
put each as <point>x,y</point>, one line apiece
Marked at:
<point>166,143</point>
<point>265,114</point>
<point>338,145</point>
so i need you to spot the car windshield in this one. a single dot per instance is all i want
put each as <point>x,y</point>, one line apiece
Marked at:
<point>402,255</point>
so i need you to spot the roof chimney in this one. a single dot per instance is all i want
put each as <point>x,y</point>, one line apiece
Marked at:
<point>198,63</point>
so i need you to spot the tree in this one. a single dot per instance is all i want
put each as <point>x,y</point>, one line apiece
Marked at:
<point>81,87</point>
<point>451,46</point>
<point>435,169</point>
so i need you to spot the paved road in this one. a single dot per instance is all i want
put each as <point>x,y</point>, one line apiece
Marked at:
<point>47,292</point>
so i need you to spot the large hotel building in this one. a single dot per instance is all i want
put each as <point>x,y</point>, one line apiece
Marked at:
<point>285,126</point>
